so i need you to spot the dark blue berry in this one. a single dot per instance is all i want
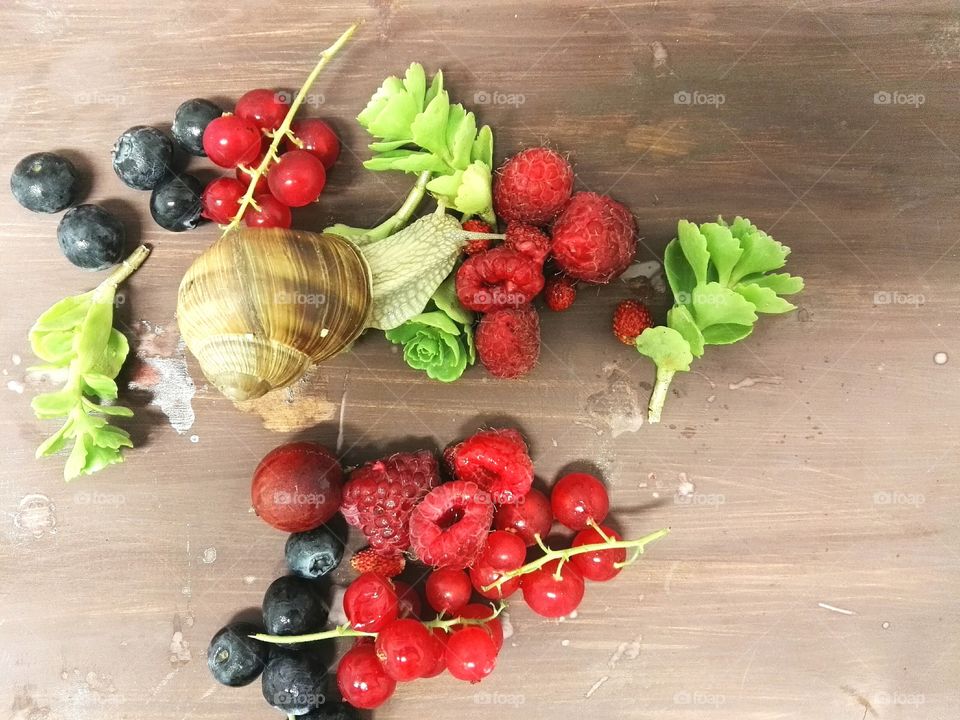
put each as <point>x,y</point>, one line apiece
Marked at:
<point>142,156</point>
<point>90,237</point>
<point>175,203</point>
<point>294,682</point>
<point>191,120</point>
<point>235,658</point>
<point>333,711</point>
<point>44,182</point>
<point>294,606</point>
<point>314,553</point>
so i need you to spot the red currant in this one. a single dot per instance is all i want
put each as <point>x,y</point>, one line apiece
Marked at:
<point>370,603</point>
<point>578,498</point>
<point>362,679</point>
<point>297,179</point>
<point>552,597</point>
<point>410,605</point>
<point>439,653</point>
<point>448,590</point>
<point>483,575</point>
<point>318,139</point>
<point>272,213</point>
<point>530,517</point>
<point>220,200</point>
<point>230,141</point>
<point>265,108</point>
<point>407,649</point>
<point>471,654</point>
<point>476,611</point>
<point>503,551</point>
<point>599,565</point>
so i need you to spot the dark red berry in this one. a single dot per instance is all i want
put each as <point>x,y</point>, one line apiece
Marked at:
<point>297,487</point>
<point>317,138</point>
<point>272,213</point>
<point>265,108</point>
<point>297,179</point>
<point>471,654</point>
<point>370,603</point>
<point>439,653</point>
<point>552,596</point>
<point>362,679</point>
<point>503,551</point>
<point>230,141</point>
<point>527,519</point>
<point>221,199</point>
<point>578,498</point>
<point>598,565</point>
<point>448,590</point>
<point>407,649</point>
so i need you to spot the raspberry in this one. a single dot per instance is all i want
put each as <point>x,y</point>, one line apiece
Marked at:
<point>629,320</point>
<point>528,240</point>
<point>380,496</point>
<point>508,341</point>
<point>498,278</point>
<point>594,239</point>
<point>532,186</point>
<point>369,560</point>
<point>477,246</point>
<point>497,461</point>
<point>559,292</point>
<point>449,528</point>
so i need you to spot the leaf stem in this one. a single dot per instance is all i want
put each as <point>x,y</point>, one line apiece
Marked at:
<point>124,269</point>
<point>659,396</point>
<point>284,130</point>
<point>402,216</point>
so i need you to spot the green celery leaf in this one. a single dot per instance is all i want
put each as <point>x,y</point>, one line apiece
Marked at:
<point>666,347</point>
<point>438,320</point>
<point>436,87</point>
<point>764,299</point>
<point>780,283</point>
<point>429,128</point>
<point>415,82</point>
<point>714,304</point>
<point>474,197</point>
<point>54,404</point>
<point>680,319</point>
<point>726,334</point>
<point>100,457</point>
<point>679,273</point>
<point>724,249</point>
<point>694,247</point>
<point>483,146</point>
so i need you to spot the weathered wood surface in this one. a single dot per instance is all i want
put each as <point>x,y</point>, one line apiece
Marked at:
<point>812,571</point>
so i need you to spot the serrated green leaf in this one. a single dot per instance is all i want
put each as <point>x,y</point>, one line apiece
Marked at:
<point>410,161</point>
<point>436,87</point>
<point>666,347</point>
<point>461,133</point>
<point>100,457</point>
<point>112,410</point>
<point>415,82</point>
<point>445,187</point>
<point>724,249</point>
<point>100,385</point>
<point>680,319</point>
<point>714,304</point>
<point>761,253</point>
<point>111,437</point>
<point>471,344</point>
<point>77,460</point>
<point>726,334</point>
<point>54,404</point>
<point>780,283</point>
<point>113,355</point>
<point>694,246</point>
<point>388,145</point>
<point>56,442</point>
<point>392,120</point>
<point>65,314</point>
<point>474,197</point>
<point>54,347</point>
<point>482,150</point>
<point>764,299</point>
<point>679,274</point>
<point>91,340</point>
<point>429,128</point>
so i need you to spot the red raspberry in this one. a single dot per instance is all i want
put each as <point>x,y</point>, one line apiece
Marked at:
<point>508,341</point>
<point>449,528</point>
<point>594,239</point>
<point>369,560</point>
<point>559,292</point>
<point>496,460</point>
<point>629,320</point>
<point>380,496</point>
<point>477,246</point>
<point>532,186</point>
<point>498,278</point>
<point>528,240</point>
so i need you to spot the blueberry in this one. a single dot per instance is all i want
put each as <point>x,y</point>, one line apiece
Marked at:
<point>314,553</point>
<point>235,658</point>
<point>142,156</point>
<point>294,606</point>
<point>191,120</point>
<point>294,682</point>
<point>175,202</point>
<point>333,711</point>
<point>91,237</point>
<point>44,182</point>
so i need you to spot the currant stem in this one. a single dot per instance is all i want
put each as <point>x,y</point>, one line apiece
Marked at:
<point>659,396</point>
<point>281,132</point>
<point>564,555</point>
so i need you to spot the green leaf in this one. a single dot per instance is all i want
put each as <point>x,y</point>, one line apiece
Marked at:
<point>113,355</point>
<point>100,385</point>
<point>388,145</point>
<point>91,341</point>
<point>474,197</point>
<point>390,112</point>
<point>446,300</point>
<point>724,249</point>
<point>694,247</point>
<point>445,187</point>
<point>726,334</point>
<point>482,150</point>
<point>666,347</point>
<point>780,283</point>
<point>411,161</point>
<point>761,253</point>
<point>471,344</point>
<point>461,133</point>
<point>54,347</point>
<point>436,87</point>
<point>77,460</point>
<point>714,304</point>
<point>111,437</point>
<point>54,404</point>
<point>64,315</point>
<point>679,273</point>
<point>764,299</point>
<point>680,319</point>
<point>415,82</point>
<point>113,410</point>
<point>56,442</point>
<point>429,128</point>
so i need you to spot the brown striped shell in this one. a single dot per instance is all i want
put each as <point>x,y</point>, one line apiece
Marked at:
<point>260,306</point>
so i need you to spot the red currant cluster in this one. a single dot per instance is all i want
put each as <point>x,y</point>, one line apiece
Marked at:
<point>245,140</point>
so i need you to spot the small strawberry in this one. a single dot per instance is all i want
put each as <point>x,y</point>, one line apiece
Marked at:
<point>560,292</point>
<point>532,186</point>
<point>477,246</point>
<point>369,560</point>
<point>629,320</point>
<point>528,240</point>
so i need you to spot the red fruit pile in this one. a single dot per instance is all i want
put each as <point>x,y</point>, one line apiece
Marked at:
<point>241,141</point>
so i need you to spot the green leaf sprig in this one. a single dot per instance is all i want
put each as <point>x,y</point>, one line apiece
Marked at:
<point>417,130</point>
<point>721,277</point>
<point>76,339</point>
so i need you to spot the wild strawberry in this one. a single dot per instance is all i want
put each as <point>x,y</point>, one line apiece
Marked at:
<point>528,240</point>
<point>559,292</point>
<point>369,560</point>
<point>629,320</point>
<point>477,246</point>
<point>498,278</point>
<point>532,186</point>
<point>496,460</point>
<point>594,239</point>
<point>508,341</point>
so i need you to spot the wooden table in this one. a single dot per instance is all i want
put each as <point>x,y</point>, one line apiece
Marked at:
<point>807,473</point>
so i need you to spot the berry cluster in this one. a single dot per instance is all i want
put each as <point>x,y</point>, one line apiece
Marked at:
<point>475,537</point>
<point>592,239</point>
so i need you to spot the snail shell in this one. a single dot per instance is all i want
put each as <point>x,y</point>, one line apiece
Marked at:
<point>260,306</point>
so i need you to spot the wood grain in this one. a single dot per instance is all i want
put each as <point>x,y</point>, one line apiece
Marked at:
<point>829,486</point>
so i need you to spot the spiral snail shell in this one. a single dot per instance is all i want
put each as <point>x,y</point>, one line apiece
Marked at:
<point>260,306</point>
